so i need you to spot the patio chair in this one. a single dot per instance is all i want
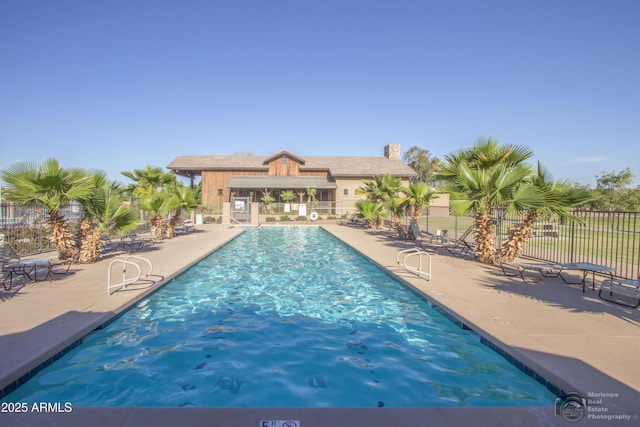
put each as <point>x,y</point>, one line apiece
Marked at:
<point>354,221</point>
<point>6,277</point>
<point>428,241</point>
<point>461,247</point>
<point>186,227</point>
<point>544,269</point>
<point>129,242</point>
<point>621,291</point>
<point>16,266</point>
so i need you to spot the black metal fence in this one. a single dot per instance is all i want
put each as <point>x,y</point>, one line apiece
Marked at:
<point>25,227</point>
<point>611,239</point>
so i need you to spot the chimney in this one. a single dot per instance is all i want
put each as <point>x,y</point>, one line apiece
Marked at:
<point>392,151</point>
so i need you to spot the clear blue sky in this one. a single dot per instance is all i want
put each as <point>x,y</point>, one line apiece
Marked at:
<point>119,84</point>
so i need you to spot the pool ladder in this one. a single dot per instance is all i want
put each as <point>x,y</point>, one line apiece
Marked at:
<point>135,265</point>
<point>423,267</point>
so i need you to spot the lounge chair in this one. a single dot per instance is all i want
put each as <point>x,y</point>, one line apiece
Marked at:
<point>461,247</point>
<point>6,277</point>
<point>544,269</point>
<point>186,227</point>
<point>131,242</point>
<point>16,266</point>
<point>354,221</point>
<point>611,290</point>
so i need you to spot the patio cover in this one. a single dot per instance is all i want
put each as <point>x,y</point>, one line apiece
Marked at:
<point>281,182</point>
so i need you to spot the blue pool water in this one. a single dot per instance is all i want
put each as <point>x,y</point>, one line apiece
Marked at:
<point>283,317</point>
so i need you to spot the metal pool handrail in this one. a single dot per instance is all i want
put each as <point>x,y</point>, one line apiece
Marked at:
<point>419,271</point>
<point>127,281</point>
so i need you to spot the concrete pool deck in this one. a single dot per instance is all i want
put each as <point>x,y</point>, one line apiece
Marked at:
<point>575,341</point>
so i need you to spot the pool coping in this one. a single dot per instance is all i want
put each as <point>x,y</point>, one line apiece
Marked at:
<point>530,346</point>
<point>376,247</point>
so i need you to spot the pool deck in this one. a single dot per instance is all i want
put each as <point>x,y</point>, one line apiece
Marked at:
<point>572,339</point>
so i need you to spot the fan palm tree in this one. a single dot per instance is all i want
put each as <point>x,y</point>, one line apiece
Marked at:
<point>417,197</point>
<point>397,210</point>
<point>103,212</point>
<point>311,196</point>
<point>155,205</point>
<point>383,189</point>
<point>554,198</point>
<point>52,187</point>
<point>478,190</point>
<point>484,153</point>
<point>182,199</point>
<point>485,177</point>
<point>372,212</point>
<point>288,196</point>
<point>147,180</point>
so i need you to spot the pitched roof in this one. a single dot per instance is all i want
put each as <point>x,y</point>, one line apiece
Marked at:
<point>336,165</point>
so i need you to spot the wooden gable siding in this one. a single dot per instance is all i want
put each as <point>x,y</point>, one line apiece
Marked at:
<point>290,168</point>
<point>212,181</point>
<point>314,173</point>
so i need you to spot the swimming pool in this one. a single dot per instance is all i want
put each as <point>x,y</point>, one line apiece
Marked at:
<point>283,317</point>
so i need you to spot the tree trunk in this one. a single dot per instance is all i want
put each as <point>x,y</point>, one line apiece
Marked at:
<point>90,251</point>
<point>399,227</point>
<point>158,227</point>
<point>61,236</point>
<point>82,242</point>
<point>517,238</point>
<point>173,223</point>
<point>485,238</point>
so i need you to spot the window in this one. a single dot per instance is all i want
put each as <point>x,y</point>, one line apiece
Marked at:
<point>219,192</point>
<point>284,159</point>
<point>345,192</point>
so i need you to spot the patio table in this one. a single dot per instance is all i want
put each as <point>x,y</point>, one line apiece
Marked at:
<point>586,268</point>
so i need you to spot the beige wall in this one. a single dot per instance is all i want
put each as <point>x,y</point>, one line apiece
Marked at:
<point>352,184</point>
<point>439,206</point>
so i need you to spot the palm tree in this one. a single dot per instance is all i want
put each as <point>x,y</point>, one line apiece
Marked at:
<point>311,197</point>
<point>383,189</point>
<point>417,197</point>
<point>155,205</point>
<point>551,198</point>
<point>103,213</point>
<point>485,177</point>
<point>370,211</point>
<point>477,191</point>
<point>397,211</point>
<point>267,200</point>
<point>147,180</point>
<point>51,187</point>
<point>483,154</point>
<point>182,199</point>
<point>288,196</point>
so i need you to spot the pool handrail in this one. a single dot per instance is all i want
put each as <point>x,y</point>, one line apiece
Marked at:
<point>418,271</point>
<point>127,281</point>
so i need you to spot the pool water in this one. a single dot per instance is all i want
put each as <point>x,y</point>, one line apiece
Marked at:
<point>283,317</point>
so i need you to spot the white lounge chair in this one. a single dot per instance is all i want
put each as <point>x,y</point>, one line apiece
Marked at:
<point>13,265</point>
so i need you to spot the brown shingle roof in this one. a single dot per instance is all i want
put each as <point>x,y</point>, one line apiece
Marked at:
<point>337,165</point>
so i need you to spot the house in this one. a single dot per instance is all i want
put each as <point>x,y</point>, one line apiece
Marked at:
<point>335,178</point>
